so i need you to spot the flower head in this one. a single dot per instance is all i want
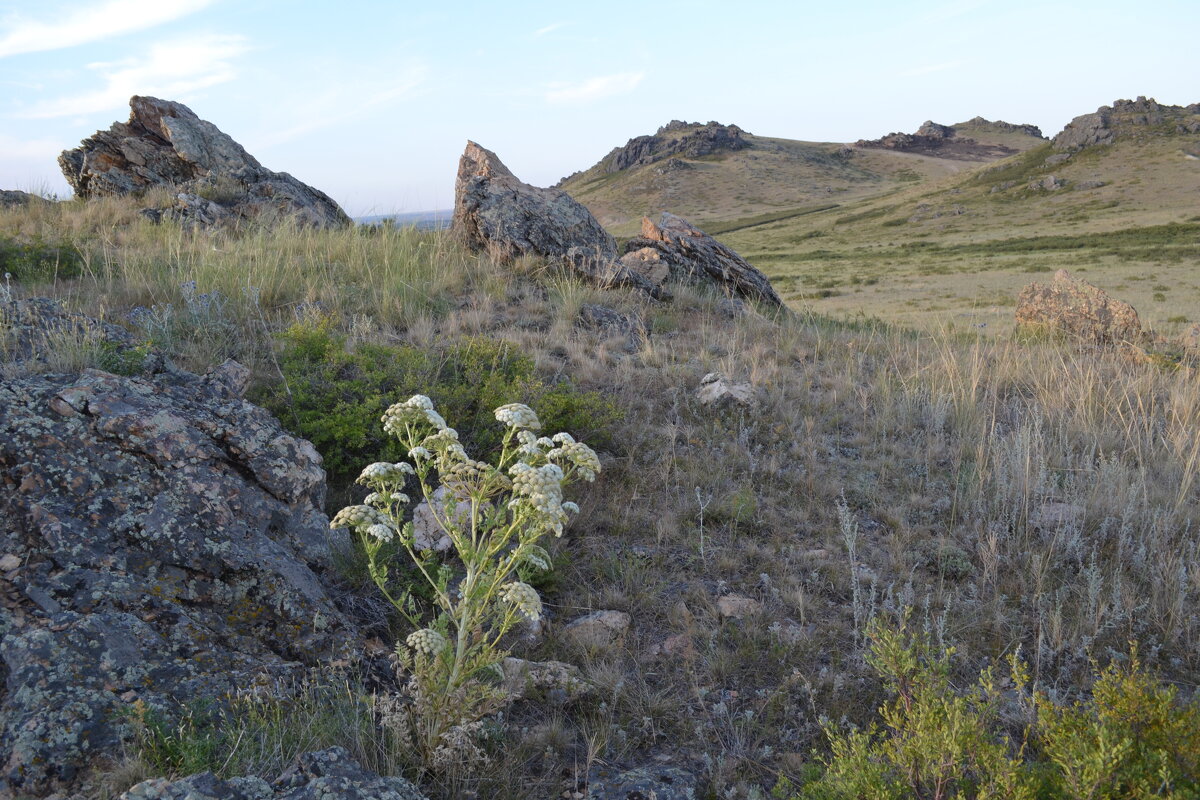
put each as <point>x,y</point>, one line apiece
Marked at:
<point>384,533</point>
<point>518,415</point>
<point>427,641</point>
<point>384,472</point>
<point>416,409</point>
<point>358,517</point>
<point>524,597</point>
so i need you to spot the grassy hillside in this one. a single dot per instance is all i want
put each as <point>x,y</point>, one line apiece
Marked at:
<point>956,250</point>
<point>1012,495</point>
<point>772,178</point>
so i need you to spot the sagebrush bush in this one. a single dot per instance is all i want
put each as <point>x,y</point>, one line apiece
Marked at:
<point>334,394</point>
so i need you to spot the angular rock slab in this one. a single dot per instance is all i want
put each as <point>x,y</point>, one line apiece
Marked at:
<point>1078,308</point>
<point>692,256</point>
<point>494,211</point>
<point>165,144</point>
<point>169,536</point>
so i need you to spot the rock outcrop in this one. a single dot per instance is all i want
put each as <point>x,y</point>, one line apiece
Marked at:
<point>163,541</point>
<point>14,197</point>
<point>692,256</point>
<point>1079,309</point>
<point>322,775</point>
<point>1126,119</point>
<point>165,144</point>
<point>947,141</point>
<point>676,138</point>
<point>496,212</point>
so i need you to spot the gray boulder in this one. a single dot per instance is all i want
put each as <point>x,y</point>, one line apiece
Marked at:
<point>692,256</point>
<point>162,541</point>
<point>1126,119</point>
<point>497,213</point>
<point>322,775</point>
<point>165,144</point>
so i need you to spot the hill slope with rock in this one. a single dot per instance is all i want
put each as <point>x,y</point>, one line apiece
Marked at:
<point>709,172</point>
<point>1117,191</point>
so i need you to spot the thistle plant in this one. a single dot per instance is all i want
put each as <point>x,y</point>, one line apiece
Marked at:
<point>494,516</point>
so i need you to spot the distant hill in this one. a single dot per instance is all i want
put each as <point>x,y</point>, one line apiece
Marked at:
<point>1116,194</point>
<point>422,220</point>
<point>709,172</point>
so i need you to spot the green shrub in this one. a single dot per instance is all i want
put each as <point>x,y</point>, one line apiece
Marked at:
<point>1131,738</point>
<point>37,261</point>
<point>334,395</point>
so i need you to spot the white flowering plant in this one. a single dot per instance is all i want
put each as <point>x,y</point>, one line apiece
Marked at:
<point>494,515</point>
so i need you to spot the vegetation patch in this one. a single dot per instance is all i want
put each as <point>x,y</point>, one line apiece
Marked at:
<point>333,393</point>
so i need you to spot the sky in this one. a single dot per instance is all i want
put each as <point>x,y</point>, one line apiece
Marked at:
<point>372,102</point>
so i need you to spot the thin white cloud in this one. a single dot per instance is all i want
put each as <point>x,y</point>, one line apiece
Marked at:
<point>549,28</point>
<point>929,69</point>
<point>169,69</point>
<point>90,22</point>
<point>594,88</point>
<point>345,102</point>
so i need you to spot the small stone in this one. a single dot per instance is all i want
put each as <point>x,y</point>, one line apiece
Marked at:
<point>600,630</point>
<point>718,391</point>
<point>735,606</point>
<point>9,562</point>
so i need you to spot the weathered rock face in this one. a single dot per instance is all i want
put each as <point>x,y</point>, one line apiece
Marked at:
<point>691,255</point>
<point>163,540</point>
<point>1080,309</point>
<point>676,138</point>
<point>496,212</point>
<point>1128,118</point>
<point>166,144</point>
<point>321,775</point>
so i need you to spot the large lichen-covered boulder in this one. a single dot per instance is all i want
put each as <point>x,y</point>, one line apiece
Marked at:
<point>165,144</point>
<point>162,540</point>
<point>322,775</point>
<point>692,256</point>
<point>496,212</point>
<point>1077,308</point>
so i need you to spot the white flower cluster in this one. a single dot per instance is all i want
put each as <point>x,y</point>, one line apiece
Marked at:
<point>384,533</point>
<point>382,472</point>
<point>417,408</point>
<point>524,597</point>
<point>384,499</point>
<point>577,454</point>
<point>518,415</point>
<point>358,517</point>
<point>445,446</point>
<point>427,641</point>
<point>542,486</point>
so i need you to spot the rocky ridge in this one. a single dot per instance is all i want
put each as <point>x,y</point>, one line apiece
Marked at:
<point>1127,119</point>
<point>944,141</point>
<point>213,178</point>
<point>675,139</point>
<point>165,541</point>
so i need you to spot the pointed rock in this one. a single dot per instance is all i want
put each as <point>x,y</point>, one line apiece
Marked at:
<point>496,212</point>
<point>165,144</point>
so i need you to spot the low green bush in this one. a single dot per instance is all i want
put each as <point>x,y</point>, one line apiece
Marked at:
<point>334,395</point>
<point>1130,738</point>
<point>37,261</point>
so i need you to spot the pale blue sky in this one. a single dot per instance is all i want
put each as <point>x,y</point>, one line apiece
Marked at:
<point>373,101</point>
